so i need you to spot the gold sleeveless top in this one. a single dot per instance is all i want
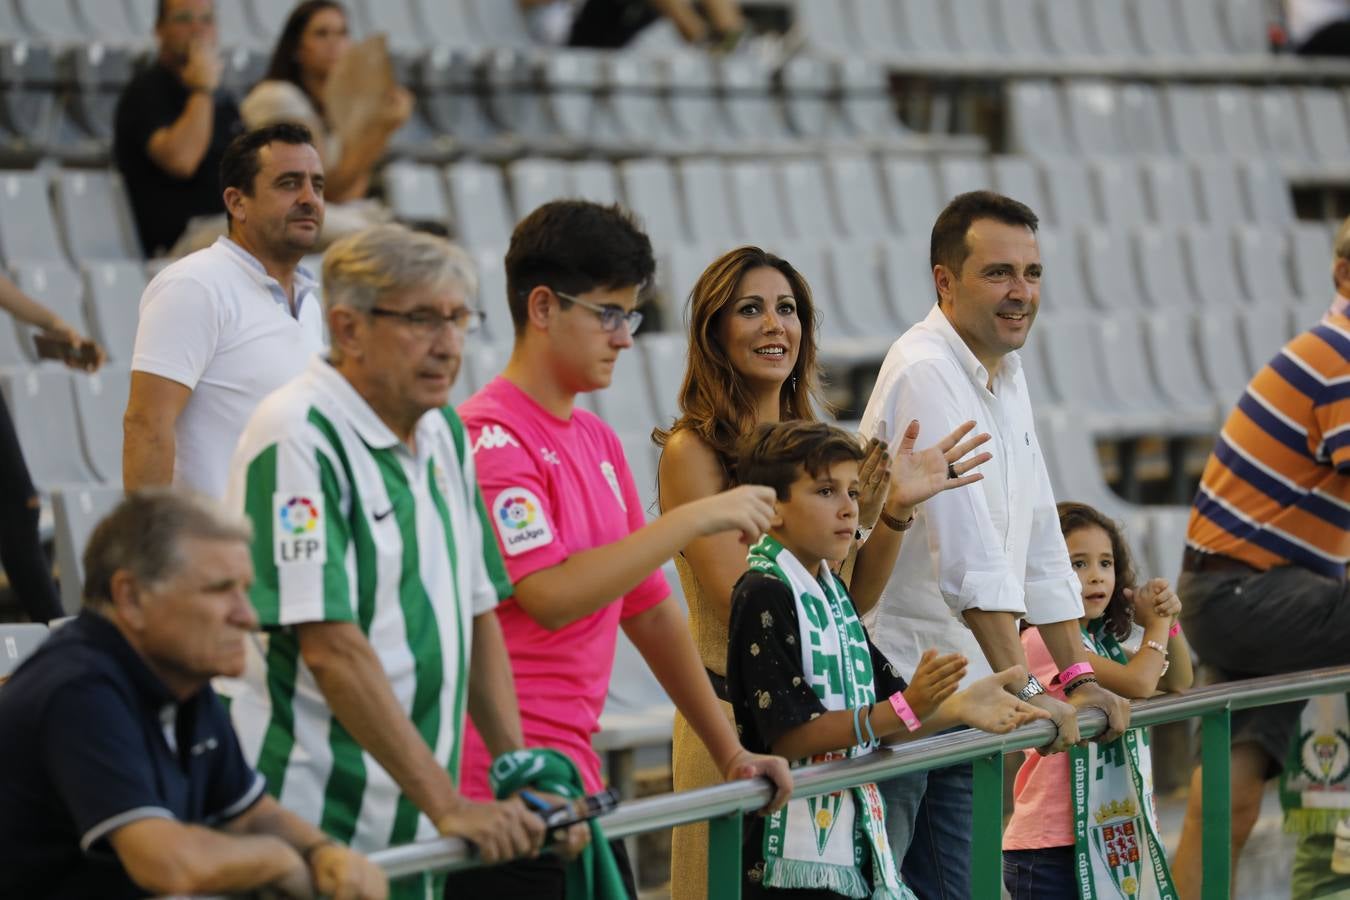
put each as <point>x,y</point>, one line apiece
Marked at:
<point>709,631</point>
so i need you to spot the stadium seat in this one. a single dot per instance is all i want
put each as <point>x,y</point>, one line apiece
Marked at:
<point>595,180</point>
<point>749,103</point>
<point>112,300</point>
<point>1037,121</point>
<point>448,94</point>
<point>1264,328</point>
<point>866,106</point>
<point>1134,379</point>
<point>874,22</point>
<point>909,279</point>
<point>650,190</point>
<point>1142,126</point>
<point>141,15</point>
<point>1113,29</point>
<point>1062,286</point>
<point>1306,314</point>
<point>447,23</point>
<point>1019,178</point>
<point>1068,30</point>
<point>807,200</point>
<point>665,356</point>
<point>973,28</point>
<point>690,90</point>
<point>28,107</point>
<point>924,24</point>
<point>96,218</point>
<point>825,25</point>
<point>1160,31</point>
<point>44,418</point>
<point>1069,190</point>
<point>1235,115</point>
<point>1269,199</point>
<point>486,359</point>
<point>492,299</point>
<point>1079,370</point>
<point>1162,270</point>
<point>1076,474</point>
<point>54,23</point>
<point>1311,251</point>
<point>1210,254</point>
<point>1226,372</point>
<point>572,83</point>
<point>17,642</point>
<point>808,83</point>
<point>100,398</point>
<point>638,102</point>
<point>1205,32</point>
<point>478,199</point>
<point>535,182</point>
<point>1190,118</point>
<point>500,24</point>
<point>416,192</point>
<point>1166,541</point>
<point>756,202</point>
<point>913,192</point>
<point>1220,192</point>
<point>395,19</point>
<point>1324,115</point>
<point>77,509</point>
<point>54,285</point>
<point>27,227</point>
<point>862,200</point>
<point>857,306</point>
<point>1170,188</point>
<point>1120,195</point>
<point>1094,118</point>
<point>513,98</point>
<point>707,206</point>
<point>959,174</point>
<point>1247,25</point>
<point>1286,140</point>
<point>627,403</point>
<point>641,455</point>
<point>1168,338</point>
<point>1020,23</point>
<point>1263,266</point>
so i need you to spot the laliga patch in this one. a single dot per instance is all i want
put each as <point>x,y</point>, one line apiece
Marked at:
<point>520,521</point>
<point>300,535</point>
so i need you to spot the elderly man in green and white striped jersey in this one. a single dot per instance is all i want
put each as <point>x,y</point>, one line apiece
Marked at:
<point>377,576</point>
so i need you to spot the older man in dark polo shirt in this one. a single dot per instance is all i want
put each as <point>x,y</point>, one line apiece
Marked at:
<point>172,126</point>
<point>122,775</point>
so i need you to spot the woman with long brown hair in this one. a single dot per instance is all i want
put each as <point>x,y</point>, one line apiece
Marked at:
<point>752,359</point>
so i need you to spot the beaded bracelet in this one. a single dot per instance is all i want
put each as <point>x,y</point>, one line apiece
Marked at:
<point>1086,679</point>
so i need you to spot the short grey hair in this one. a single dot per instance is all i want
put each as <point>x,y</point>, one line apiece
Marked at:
<point>144,534</point>
<point>360,269</point>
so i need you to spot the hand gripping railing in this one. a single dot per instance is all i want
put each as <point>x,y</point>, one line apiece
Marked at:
<point>723,805</point>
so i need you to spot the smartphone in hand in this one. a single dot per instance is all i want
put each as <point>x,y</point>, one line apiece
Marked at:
<point>570,812</point>
<point>82,355</point>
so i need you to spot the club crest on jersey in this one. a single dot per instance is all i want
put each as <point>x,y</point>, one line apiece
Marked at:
<point>520,521</point>
<point>607,469</point>
<point>494,437</point>
<point>298,529</point>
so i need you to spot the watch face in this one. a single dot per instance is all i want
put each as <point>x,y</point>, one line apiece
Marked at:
<point>1033,688</point>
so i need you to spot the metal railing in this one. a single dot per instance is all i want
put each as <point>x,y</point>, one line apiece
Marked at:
<point>723,805</point>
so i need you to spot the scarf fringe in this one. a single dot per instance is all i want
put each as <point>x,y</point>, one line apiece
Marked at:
<point>795,874</point>
<point>1313,821</point>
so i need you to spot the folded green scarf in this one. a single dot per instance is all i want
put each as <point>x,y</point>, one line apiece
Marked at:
<point>591,876</point>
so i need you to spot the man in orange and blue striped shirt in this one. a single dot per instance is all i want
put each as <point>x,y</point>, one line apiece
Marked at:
<point>1263,584</point>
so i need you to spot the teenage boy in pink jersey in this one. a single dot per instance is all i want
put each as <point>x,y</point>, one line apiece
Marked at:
<point>577,547</point>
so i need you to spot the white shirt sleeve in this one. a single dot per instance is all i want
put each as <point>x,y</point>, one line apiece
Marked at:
<point>972,566</point>
<point>1054,593</point>
<point>178,330</point>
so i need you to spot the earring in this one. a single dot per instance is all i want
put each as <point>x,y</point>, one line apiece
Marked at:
<point>794,384</point>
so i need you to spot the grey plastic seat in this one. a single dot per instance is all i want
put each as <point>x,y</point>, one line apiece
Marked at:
<point>926,27</point>
<point>913,190</point>
<point>27,226</point>
<point>54,285</point>
<point>500,24</point>
<point>447,23</point>
<point>1270,201</point>
<point>1202,22</point>
<point>478,199</point>
<point>142,13</point>
<point>1018,177</point>
<point>1114,29</point>
<point>1119,192</point>
<point>1170,188</point>
<point>1210,255</point>
<point>1062,286</point>
<point>808,85</point>
<point>1171,354</point>
<point>1191,119</point>
<point>113,294</point>
<point>864,312</point>
<point>1068,29</point>
<point>110,22</point>
<point>1160,32</point>
<point>55,23</point>
<point>650,189</point>
<point>1265,329</point>
<point>1167,541</point>
<point>749,101</point>
<point>1109,271</point>
<point>685,263</point>
<point>1311,252</point>
<point>235,27</point>
<point>807,200</point>
<point>1022,26</point>
<point>1324,115</point>
<point>666,356</point>
<point>1306,314</point>
<point>1263,265</point>
<point>395,19</point>
<point>641,455</point>
<point>594,180</point>
<point>1283,127</point>
<point>44,418</point>
<point>1037,120</point>
<point>1221,192</point>
<point>416,192</point>
<point>1076,472</point>
<point>573,83</point>
<point>1070,193</point>
<point>100,399</point>
<point>1142,125</point>
<point>757,202</point>
<point>707,206</point>
<point>973,28</point>
<point>857,185</point>
<point>1219,345</point>
<point>825,23</point>
<point>486,359</point>
<point>875,25</point>
<point>691,101</point>
<point>637,102</point>
<point>1094,115</point>
<point>1235,115</point>
<point>77,509</point>
<point>1162,270</point>
<point>866,106</point>
<point>959,174</point>
<point>1074,362</point>
<point>18,640</point>
<point>492,297</point>
<point>92,207</point>
<point>626,405</point>
<point>1246,24</point>
<point>535,182</point>
<point>909,279</point>
<point>1136,387</point>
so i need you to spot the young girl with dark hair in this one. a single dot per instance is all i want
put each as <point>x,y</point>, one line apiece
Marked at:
<point>1085,818</point>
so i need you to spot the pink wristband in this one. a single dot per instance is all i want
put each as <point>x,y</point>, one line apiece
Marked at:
<point>1077,670</point>
<point>1174,630</point>
<point>903,710</point>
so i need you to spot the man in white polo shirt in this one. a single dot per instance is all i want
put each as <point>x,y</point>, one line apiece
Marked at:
<point>377,575</point>
<point>223,327</point>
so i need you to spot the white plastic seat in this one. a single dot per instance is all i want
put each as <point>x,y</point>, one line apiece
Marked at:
<point>808,85</point>
<point>500,24</point>
<point>1190,116</point>
<point>93,208</point>
<point>749,103</point>
<point>707,206</point>
<point>1018,177</point>
<point>1265,328</point>
<point>691,101</point>
<point>1170,188</point>
<point>1037,120</point>
<point>1204,28</point>
<point>807,200</point>
<point>54,285</point>
<point>1286,139</point>
<point>447,23</point>
<point>478,199</point>
<point>1218,341</point>
<point>1093,109</point>
<point>856,184</point>
<point>44,418</point>
<point>1119,192</point>
<point>923,22</point>
<point>1246,23</point>
<point>1079,370</point>
<point>1167,541</point>
<point>641,455</point>
<point>1068,30</point>
<point>416,192</point>
<point>594,180</point>
<point>825,25</point>
<point>1162,270</point>
<point>666,356</point>
<point>974,30</point>
<point>1235,116</point>
<point>486,359</point>
<point>1220,192</point>
<point>909,279</point>
<point>1311,252</point>
<point>1109,270</point>
<point>492,299</point>
<point>913,191</point>
<point>1160,32</point>
<point>1269,198</point>
<point>100,398</point>
<point>866,106</point>
<point>110,22</point>
<point>626,405</point>
<point>1169,338</point>
<point>1020,22</point>
<point>756,202</point>
<point>875,25</point>
<point>1142,126</point>
<point>1070,193</point>
<point>77,509</point>
<point>1210,254</point>
<point>27,227</point>
<point>649,186</point>
<point>18,640</point>
<point>1135,380</point>
<point>857,275</point>
<point>1062,286</point>
<point>1113,29</point>
<point>113,294</point>
<point>1263,265</point>
<point>1076,472</point>
<point>535,182</point>
<point>1324,115</point>
<point>959,174</point>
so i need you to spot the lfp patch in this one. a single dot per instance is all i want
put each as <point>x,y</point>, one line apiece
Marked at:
<point>520,521</point>
<point>298,529</point>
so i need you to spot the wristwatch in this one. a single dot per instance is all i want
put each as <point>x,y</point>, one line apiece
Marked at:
<point>1033,688</point>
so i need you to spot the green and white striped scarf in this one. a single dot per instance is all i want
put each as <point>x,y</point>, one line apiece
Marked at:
<point>1117,853</point>
<point>1315,786</point>
<point>822,842</point>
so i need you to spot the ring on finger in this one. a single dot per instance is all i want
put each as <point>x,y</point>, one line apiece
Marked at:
<point>951,471</point>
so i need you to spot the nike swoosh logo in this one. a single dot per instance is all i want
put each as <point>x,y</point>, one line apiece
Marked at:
<point>381,516</point>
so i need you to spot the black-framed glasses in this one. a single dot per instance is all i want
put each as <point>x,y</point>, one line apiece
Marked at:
<point>610,314</point>
<point>428,324</point>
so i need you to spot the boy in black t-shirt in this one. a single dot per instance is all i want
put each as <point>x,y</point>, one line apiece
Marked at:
<point>807,683</point>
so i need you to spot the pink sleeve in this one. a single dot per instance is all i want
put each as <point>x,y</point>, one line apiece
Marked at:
<point>1039,661</point>
<point>517,498</point>
<point>654,588</point>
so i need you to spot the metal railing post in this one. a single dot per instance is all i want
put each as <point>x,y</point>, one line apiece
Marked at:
<point>1216,834</point>
<point>724,857</point>
<point>986,844</point>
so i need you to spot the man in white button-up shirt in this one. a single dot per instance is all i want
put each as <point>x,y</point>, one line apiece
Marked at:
<point>976,560</point>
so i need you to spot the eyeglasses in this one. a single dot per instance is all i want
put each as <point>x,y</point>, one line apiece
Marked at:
<point>428,324</point>
<point>610,314</point>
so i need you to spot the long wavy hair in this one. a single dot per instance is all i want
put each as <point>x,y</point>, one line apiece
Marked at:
<point>1119,615</point>
<point>283,65</point>
<point>716,403</point>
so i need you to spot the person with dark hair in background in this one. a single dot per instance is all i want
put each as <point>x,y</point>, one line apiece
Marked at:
<point>1318,27</point>
<point>979,559</point>
<point>578,550</point>
<point>172,126</point>
<point>223,327</point>
<point>313,40</point>
<point>26,565</point>
<point>123,777</point>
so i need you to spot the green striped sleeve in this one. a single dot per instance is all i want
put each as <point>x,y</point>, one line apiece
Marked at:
<point>260,486</point>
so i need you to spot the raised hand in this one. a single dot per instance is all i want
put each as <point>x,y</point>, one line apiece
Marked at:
<point>874,482</point>
<point>935,679</point>
<point>203,67</point>
<point>916,476</point>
